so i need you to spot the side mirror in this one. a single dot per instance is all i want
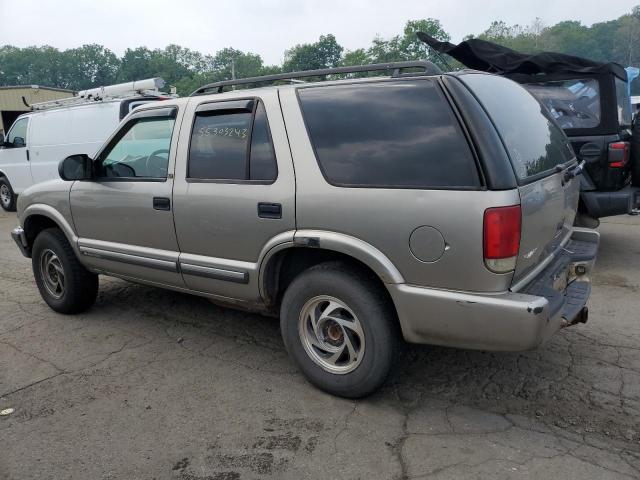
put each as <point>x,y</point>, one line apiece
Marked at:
<point>1,139</point>
<point>18,142</point>
<point>75,167</point>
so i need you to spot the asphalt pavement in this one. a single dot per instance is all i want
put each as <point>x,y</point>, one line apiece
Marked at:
<point>152,384</point>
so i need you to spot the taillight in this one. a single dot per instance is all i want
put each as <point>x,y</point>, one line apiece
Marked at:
<point>502,238</point>
<point>618,154</point>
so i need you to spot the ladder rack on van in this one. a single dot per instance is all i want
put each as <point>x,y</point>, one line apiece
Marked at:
<point>143,88</point>
<point>428,68</point>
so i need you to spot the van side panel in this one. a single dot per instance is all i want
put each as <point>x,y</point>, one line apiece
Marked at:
<point>58,133</point>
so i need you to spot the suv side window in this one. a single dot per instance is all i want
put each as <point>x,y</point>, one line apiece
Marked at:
<point>139,151</point>
<point>19,130</point>
<point>398,134</point>
<point>232,145</point>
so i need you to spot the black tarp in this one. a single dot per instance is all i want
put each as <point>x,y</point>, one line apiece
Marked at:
<point>493,58</point>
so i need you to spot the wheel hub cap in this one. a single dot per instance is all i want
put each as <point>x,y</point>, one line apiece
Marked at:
<point>5,195</point>
<point>331,334</point>
<point>52,273</point>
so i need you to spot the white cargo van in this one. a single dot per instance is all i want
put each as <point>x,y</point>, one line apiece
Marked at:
<point>39,139</point>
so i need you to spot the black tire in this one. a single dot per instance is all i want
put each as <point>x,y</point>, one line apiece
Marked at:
<point>374,311</point>
<point>8,205</point>
<point>80,285</point>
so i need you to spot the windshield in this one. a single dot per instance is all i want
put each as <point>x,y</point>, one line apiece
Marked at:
<point>572,103</point>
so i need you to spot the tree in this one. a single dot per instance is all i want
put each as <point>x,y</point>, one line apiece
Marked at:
<point>88,66</point>
<point>325,53</point>
<point>355,57</point>
<point>408,46</point>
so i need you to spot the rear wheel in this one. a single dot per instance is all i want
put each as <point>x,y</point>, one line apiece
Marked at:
<point>7,197</point>
<point>340,328</point>
<point>64,283</point>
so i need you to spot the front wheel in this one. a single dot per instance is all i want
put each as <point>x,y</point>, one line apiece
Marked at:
<point>340,328</point>
<point>7,197</point>
<point>64,283</point>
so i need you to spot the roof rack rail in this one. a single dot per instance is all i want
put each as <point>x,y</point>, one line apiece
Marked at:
<point>429,68</point>
<point>140,88</point>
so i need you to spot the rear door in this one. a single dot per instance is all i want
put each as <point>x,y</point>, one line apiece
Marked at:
<point>234,193</point>
<point>540,153</point>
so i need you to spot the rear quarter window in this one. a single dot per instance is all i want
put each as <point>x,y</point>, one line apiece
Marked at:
<point>399,134</point>
<point>534,142</point>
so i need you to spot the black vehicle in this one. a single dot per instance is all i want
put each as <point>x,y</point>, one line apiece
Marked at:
<point>590,101</point>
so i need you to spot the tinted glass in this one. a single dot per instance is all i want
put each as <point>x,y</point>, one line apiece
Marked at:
<point>387,134</point>
<point>572,103</point>
<point>220,146</point>
<point>534,142</point>
<point>263,164</point>
<point>19,129</point>
<point>143,150</point>
<point>623,103</point>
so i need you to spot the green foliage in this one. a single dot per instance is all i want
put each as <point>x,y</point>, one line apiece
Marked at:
<point>94,65</point>
<point>325,53</point>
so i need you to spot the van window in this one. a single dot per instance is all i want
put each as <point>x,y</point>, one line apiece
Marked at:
<point>19,129</point>
<point>398,134</point>
<point>573,103</point>
<point>233,146</point>
<point>535,143</point>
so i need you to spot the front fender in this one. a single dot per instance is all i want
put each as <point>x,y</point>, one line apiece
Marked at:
<point>62,221</point>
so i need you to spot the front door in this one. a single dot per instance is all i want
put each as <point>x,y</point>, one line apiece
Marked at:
<point>235,195</point>
<point>124,215</point>
<point>14,157</point>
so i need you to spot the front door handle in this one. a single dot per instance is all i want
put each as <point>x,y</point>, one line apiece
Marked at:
<point>161,203</point>
<point>269,210</point>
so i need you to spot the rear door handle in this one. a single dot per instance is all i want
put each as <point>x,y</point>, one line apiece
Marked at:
<point>161,203</point>
<point>269,210</point>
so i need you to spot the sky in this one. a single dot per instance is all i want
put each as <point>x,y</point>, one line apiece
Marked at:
<point>268,27</point>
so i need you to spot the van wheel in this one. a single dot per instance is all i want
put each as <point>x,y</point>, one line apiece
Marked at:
<point>64,283</point>
<point>7,197</point>
<point>340,329</point>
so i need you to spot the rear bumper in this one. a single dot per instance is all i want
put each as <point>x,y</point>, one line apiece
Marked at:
<point>606,204</point>
<point>21,240</point>
<point>507,321</point>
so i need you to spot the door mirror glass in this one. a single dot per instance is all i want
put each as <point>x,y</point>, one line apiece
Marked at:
<point>75,167</point>
<point>18,142</point>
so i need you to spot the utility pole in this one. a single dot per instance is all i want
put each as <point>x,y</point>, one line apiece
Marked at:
<point>233,72</point>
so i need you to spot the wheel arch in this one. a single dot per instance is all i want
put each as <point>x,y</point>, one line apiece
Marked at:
<point>38,217</point>
<point>283,262</point>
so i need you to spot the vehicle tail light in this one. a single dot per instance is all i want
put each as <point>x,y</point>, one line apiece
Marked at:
<point>618,154</point>
<point>502,238</point>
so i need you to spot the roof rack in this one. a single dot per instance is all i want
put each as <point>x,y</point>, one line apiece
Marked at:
<point>429,69</point>
<point>141,88</point>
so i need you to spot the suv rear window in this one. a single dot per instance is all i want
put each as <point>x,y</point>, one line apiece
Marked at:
<point>535,143</point>
<point>399,134</point>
